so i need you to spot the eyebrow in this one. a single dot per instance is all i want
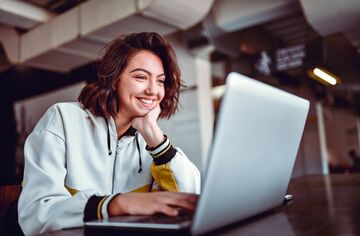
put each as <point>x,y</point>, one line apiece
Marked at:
<point>146,71</point>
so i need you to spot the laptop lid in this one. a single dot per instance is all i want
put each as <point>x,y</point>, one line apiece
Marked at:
<point>256,140</point>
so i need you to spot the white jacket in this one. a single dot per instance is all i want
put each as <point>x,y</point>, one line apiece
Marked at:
<point>70,168</point>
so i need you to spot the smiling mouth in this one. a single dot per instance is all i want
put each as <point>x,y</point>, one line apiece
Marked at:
<point>146,102</point>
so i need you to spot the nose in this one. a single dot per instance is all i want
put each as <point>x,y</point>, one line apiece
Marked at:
<point>151,88</point>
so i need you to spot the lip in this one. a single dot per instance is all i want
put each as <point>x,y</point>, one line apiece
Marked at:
<point>146,102</point>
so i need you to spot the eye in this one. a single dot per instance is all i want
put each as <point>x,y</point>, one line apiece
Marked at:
<point>141,77</point>
<point>161,81</point>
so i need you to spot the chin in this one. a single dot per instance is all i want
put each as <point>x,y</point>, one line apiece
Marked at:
<point>140,113</point>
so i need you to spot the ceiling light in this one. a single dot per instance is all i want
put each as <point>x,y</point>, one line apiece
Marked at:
<point>325,76</point>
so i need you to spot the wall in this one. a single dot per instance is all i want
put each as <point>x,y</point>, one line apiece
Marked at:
<point>341,135</point>
<point>308,160</point>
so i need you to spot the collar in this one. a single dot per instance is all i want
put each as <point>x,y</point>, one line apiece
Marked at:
<point>131,131</point>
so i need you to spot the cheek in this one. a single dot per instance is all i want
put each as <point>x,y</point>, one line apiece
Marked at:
<point>133,89</point>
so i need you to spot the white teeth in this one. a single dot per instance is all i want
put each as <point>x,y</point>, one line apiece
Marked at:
<point>146,101</point>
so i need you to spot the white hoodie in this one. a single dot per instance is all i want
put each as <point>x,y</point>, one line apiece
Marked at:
<point>75,164</point>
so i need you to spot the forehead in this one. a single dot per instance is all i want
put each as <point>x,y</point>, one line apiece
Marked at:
<point>146,60</point>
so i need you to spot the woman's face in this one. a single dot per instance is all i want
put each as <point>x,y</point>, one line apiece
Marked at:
<point>141,85</point>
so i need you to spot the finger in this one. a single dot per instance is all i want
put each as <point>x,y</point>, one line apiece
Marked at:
<point>168,210</point>
<point>182,203</point>
<point>189,200</point>
<point>179,201</point>
<point>187,196</point>
<point>192,197</point>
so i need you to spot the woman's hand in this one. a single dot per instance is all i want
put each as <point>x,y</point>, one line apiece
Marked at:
<point>167,203</point>
<point>148,127</point>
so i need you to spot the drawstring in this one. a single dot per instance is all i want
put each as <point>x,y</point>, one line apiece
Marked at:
<point>137,145</point>
<point>108,138</point>
<point>138,148</point>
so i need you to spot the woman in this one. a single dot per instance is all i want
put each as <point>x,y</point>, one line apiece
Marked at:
<point>106,155</point>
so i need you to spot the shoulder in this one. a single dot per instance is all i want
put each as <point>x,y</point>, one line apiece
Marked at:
<point>68,107</point>
<point>59,114</point>
<point>74,112</point>
<point>66,111</point>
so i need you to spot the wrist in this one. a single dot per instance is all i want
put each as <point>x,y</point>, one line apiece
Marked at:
<point>115,207</point>
<point>154,136</point>
<point>154,142</point>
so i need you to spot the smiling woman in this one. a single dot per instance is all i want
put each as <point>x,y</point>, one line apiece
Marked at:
<point>106,155</point>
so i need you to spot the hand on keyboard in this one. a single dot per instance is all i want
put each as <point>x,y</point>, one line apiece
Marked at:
<point>168,203</point>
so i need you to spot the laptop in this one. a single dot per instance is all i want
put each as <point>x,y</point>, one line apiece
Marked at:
<point>255,144</point>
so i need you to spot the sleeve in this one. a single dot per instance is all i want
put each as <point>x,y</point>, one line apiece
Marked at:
<point>45,204</point>
<point>172,170</point>
<point>97,207</point>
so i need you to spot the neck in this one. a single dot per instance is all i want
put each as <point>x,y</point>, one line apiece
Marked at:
<point>122,124</point>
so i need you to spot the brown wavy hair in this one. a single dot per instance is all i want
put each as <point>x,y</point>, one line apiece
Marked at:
<point>100,97</point>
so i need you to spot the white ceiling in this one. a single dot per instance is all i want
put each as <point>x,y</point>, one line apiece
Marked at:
<point>32,35</point>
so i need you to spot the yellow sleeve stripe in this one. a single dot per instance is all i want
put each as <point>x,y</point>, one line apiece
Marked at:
<point>164,176</point>
<point>72,191</point>
<point>99,215</point>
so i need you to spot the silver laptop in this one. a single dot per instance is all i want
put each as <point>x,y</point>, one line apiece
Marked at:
<point>257,137</point>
